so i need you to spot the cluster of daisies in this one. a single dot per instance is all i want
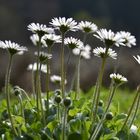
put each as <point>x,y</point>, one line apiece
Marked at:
<point>47,37</point>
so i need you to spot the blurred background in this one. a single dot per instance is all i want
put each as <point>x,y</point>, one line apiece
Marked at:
<point>117,15</point>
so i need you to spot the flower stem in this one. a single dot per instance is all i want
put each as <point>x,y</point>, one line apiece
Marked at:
<point>78,78</point>
<point>78,70</point>
<point>48,79</point>
<point>97,89</point>
<point>131,109</point>
<point>40,98</point>
<point>7,82</point>
<point>135,112</point>
<point>62,67</point>
<point>20,101</point>
<point>64,124</point>
<point>37,76</point>
<point>58,112</point>
<point>33,83</point>
<point>97,130</point>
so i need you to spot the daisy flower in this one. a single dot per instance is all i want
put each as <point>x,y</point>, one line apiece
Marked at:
<point>73,42</point>
<point>12,47</point>
<point>40,29</point>
<point>35,39</point>
<point>109,38</point>
<point>118,79</point>
<point>50,39</point>
<point>33,67</point>
<point>129,40</point>
<point>100,52</point>
<point>43,56</point>
<point>83,51</point>
<point>87,27</point>
<point>137,58</point>
<point>56,79</point>
<point>64,24</point>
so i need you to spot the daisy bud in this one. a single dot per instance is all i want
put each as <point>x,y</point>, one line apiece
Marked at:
<point>58,99</point>
<point>58,91</point>
<point>109,116</point>
<point>67,101</point>
<point>101,103</point>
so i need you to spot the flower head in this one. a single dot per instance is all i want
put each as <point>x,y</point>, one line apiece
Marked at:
<point>64,24</point>
<point>118,79</point>
<point>100,52</point>
<point>43,56</point>
<point>40,29</point>
<point>129,40</point>
<point>137,58</point>
<point>73,42</point>
<point>84,51</point>
<point>50,39</point>
<point>12,47</point>
<point>87,27</point>
<point>33,67</point>
<point>56,79</point>
<point>109,38</point>
<point>35,39</point>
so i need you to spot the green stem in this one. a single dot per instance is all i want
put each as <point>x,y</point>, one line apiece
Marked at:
<point>40,98</point>
<point>97,130</point>
<point>135,112</point>
<point>7,82</point>
<point>78,78</point>
<point>58,112</point>
<point>62,67</point>
<point>64,124</point>
<point>97,88</point>
<point>37,76</point>
<point>78,70</point>
<point>48,79</point>
<point>26,95</point>
<point>20,101</point>
<point>131,109</point>
<point>33,83</point>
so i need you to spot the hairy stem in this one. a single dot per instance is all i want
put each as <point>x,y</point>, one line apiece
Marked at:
<point>135,112</point>
<point>48,79</point>
<point>37,76</point>
<point>64,124</point>
<point>62,67</point>
<point>7,83</point>
<point>131,109</point>
<point>99,126</point>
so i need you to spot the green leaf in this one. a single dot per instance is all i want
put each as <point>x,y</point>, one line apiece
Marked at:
<point>122,135</point>
<point>73,112</point>
<point>85,129</point>
<point>75,125</point>
<point>52,125</point>
<point>8,136</point>
<point>75,136</point>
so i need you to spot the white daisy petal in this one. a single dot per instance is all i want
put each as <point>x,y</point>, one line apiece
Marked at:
<point>33,67</point>
<point>129,40</point>
<point>109,37</point>
<point>12,47</point>
<point>137,58</point>
<point>40,29</point>
<point>118,78</point>
<point>100,52</point>
<point>64,24</point>
<point>84,51</point>
<point>87,27</point>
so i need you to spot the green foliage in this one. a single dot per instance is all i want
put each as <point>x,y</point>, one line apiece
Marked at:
<point>78,126</point>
